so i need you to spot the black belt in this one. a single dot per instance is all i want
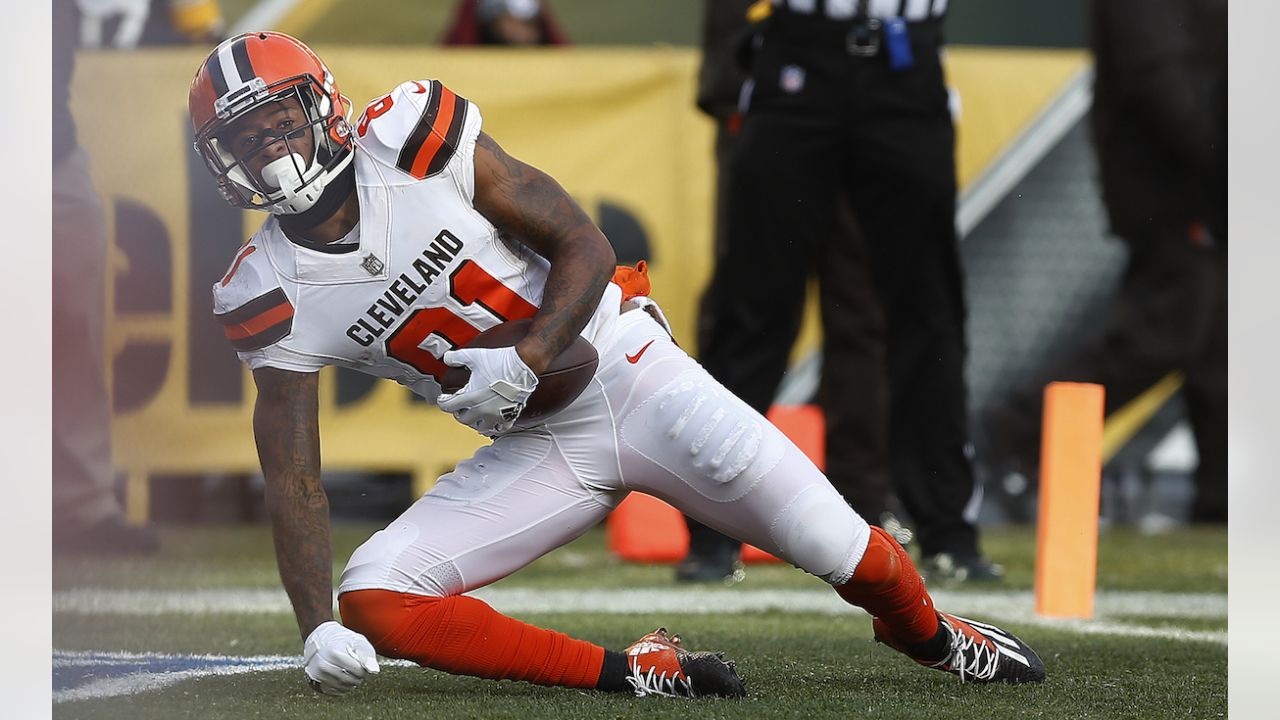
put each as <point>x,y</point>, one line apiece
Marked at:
<point>860,37</point>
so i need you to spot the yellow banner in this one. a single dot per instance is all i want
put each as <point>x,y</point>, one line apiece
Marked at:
<point>617,127</point>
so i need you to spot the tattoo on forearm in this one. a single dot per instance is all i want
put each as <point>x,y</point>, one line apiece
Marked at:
<point>532,206</point>
<point>287,433</point>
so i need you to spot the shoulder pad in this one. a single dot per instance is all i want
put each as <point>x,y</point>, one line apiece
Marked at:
<point>250,303</point>
<point>417,127</point>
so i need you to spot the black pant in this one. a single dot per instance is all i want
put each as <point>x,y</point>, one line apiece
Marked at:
<point>854,389</point>
<point>823,124</point>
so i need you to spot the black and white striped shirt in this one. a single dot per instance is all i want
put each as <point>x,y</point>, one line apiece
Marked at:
<point>910,10</point>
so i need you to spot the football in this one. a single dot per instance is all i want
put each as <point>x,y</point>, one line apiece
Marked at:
<point>560,384</point>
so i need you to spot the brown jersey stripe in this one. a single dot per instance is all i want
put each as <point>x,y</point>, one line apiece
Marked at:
<point>451,136</point>
<point>257,314</point>
<point>265,337</point>
<point>278,314</point>
<point>422,130</point>
<point>435,138</point>
<point>254,307</point>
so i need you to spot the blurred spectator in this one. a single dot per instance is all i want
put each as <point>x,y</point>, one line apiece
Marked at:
<point>124,24</point>
<point>86,515</point>
<point>504,22</point>
<point>854,386</point>
<point>1159,126</point>
<point>847,103</point>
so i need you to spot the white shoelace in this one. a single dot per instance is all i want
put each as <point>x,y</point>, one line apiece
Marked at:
<point>653,683</point>
<point>969,658</point>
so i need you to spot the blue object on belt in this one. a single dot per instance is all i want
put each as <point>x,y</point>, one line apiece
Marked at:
<point>897,42</point>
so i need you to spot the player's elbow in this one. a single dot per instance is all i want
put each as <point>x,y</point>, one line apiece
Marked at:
<point>604,258</point>
<point>589,251</point>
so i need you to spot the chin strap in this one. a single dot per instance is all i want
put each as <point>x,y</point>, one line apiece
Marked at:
<point>332,196</point>
<point>285,173</point>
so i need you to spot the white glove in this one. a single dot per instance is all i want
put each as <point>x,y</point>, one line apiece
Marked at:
<point>494,396</point>
<point>337,660</point>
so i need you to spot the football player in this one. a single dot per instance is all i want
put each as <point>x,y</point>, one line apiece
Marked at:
<point>394,241</point>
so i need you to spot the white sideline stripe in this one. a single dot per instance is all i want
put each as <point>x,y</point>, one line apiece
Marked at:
<point>1115,629</point>
<point>142,682</point>
<point>139,682</point>
<point>1014,605</point>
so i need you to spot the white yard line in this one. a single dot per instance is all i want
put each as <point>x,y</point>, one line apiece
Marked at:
<point>1014,606</point>
<point>143,681</point>
<point>135,683</point>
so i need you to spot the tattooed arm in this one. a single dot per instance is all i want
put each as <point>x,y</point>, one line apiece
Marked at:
<point>529,205</point>
<point>286,428</point>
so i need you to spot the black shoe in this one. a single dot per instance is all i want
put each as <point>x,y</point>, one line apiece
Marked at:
<point>976,652</point>
<point>720,565</point>
<point>948,569</point>
<point>112,536</point>
<point>661,666</point>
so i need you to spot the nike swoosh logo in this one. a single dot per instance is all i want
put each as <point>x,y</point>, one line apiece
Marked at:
<point>420,89</point>
<point>633,359</point>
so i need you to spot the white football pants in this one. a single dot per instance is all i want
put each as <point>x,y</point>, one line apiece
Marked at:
<point>660,425</point>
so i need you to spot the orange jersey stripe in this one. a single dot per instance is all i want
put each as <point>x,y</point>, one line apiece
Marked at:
<point>260,322</point>
<point>431,146</point>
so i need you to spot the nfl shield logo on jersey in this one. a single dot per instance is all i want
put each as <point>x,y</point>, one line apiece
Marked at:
<point>372,264</point>
<point>792,79</point>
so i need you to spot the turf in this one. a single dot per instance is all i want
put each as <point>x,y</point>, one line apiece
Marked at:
<point>796,664</point>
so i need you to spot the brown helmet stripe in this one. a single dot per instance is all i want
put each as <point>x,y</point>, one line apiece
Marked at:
<point>240,53</point>
<point>214,69</point>
<point>229,66</point>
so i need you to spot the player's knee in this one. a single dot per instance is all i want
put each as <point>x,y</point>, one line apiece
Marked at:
<point>819,532</point>
<point>376,614</point>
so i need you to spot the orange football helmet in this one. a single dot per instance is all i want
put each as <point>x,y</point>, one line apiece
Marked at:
<point>245,73</point>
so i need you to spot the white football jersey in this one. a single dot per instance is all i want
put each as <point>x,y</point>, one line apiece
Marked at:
<point>427,274</point>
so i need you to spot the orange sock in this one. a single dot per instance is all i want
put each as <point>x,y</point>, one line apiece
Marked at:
<point>887,585</point>
<point>464,636</point>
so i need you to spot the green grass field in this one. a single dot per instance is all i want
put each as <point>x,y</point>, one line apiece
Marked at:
<point>1157,649</point>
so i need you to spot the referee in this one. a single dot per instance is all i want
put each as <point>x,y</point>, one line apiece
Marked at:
<point>847,103</point>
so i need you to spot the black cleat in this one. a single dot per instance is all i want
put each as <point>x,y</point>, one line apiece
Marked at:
<point>660,666</point>
<point>976,652</point>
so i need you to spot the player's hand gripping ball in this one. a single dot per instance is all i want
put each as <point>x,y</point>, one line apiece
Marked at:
<point>551,391</point>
